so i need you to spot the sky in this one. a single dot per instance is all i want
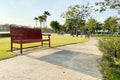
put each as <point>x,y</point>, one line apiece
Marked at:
<point>22,12</point>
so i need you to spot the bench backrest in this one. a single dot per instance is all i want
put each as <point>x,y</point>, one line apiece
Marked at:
<point>27,33</point>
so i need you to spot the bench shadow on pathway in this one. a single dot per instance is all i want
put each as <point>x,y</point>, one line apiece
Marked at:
<point>76,61</point>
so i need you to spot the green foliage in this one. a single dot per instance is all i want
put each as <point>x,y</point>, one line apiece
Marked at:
<point>110,70</point>
<point>42,19</point>
<point>55,25</point>
<point>109,4</point>
<point>75,17</point>
<point>105,35</point>
<point>77,12</point>
<point>69,25</point>
<point>110,63</point>
<point>46,13</point>
<point>93,25</point>
<point>4,27</point>
<point>111,47</point>
<point>5,35</point>
<point>110,24</point>
<point>35,18</point>
<point>62,29</point>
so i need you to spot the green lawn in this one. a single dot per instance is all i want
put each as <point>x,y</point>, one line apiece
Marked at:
<point>56,40</point>
<point>60,40</point>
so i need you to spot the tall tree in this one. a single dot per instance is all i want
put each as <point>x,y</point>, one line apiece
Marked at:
<point>69,25</point>
<point>111,24</point>
<point>45,14</point>
<point>55,25</point>
<point>36,19</point>
<point>77,14</point>
<point>44,20</point>
<point>92,25</point>
<point>41,20</point>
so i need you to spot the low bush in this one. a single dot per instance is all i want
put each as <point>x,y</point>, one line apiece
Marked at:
<point>105,35</point>
<point>110,69</point>
<point>111,47</point>
<point>111,58</point>
<point>5,35</point>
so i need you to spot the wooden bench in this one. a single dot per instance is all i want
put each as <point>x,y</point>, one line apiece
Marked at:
<point>21,35</point>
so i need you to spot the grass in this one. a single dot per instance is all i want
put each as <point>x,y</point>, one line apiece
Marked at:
<point>56,40</point>
<point>60,40</point>
<point>4,49</point>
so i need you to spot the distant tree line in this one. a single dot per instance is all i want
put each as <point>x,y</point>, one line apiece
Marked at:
<point>110,26</point>
<point>78,21</point>
<point>4,27</point>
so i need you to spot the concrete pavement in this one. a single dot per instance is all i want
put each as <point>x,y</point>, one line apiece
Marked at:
<point>70,62</point>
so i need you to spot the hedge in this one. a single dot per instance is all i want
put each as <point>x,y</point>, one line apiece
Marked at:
<point>4,34</point>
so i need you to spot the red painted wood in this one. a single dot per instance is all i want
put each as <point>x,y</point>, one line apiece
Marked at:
<point>23,35</point>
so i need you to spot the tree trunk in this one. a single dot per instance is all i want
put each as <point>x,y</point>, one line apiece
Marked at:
<point>40,24</point>
<point>36,23</point>
<point>46,23</point>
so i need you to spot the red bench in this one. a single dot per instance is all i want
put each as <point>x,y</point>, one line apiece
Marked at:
<point>21,35</point>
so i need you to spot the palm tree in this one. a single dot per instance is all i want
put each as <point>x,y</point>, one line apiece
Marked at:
<point>44,20</point>
<point>46,13</point>
<point>41,19</point>
<point>36,19</point>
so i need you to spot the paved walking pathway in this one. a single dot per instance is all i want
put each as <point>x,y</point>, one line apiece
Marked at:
<point>71,62</point>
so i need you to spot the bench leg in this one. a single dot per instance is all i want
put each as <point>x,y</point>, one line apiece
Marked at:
<point>11,46</point>
<point>41,43</point>
<point>49,43</point>
<point>21,48</point>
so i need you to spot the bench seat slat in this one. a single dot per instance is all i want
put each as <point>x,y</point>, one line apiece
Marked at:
<point>30,40</point>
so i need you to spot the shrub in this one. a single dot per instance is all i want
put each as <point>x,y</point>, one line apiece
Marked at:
<point>5,35</point>
<point>105,35</point>
<point>110,70</point>
<point>110,47</point>
<point>110,62</point>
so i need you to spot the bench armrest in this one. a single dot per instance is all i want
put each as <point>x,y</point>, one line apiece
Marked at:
<point>46,34</point>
